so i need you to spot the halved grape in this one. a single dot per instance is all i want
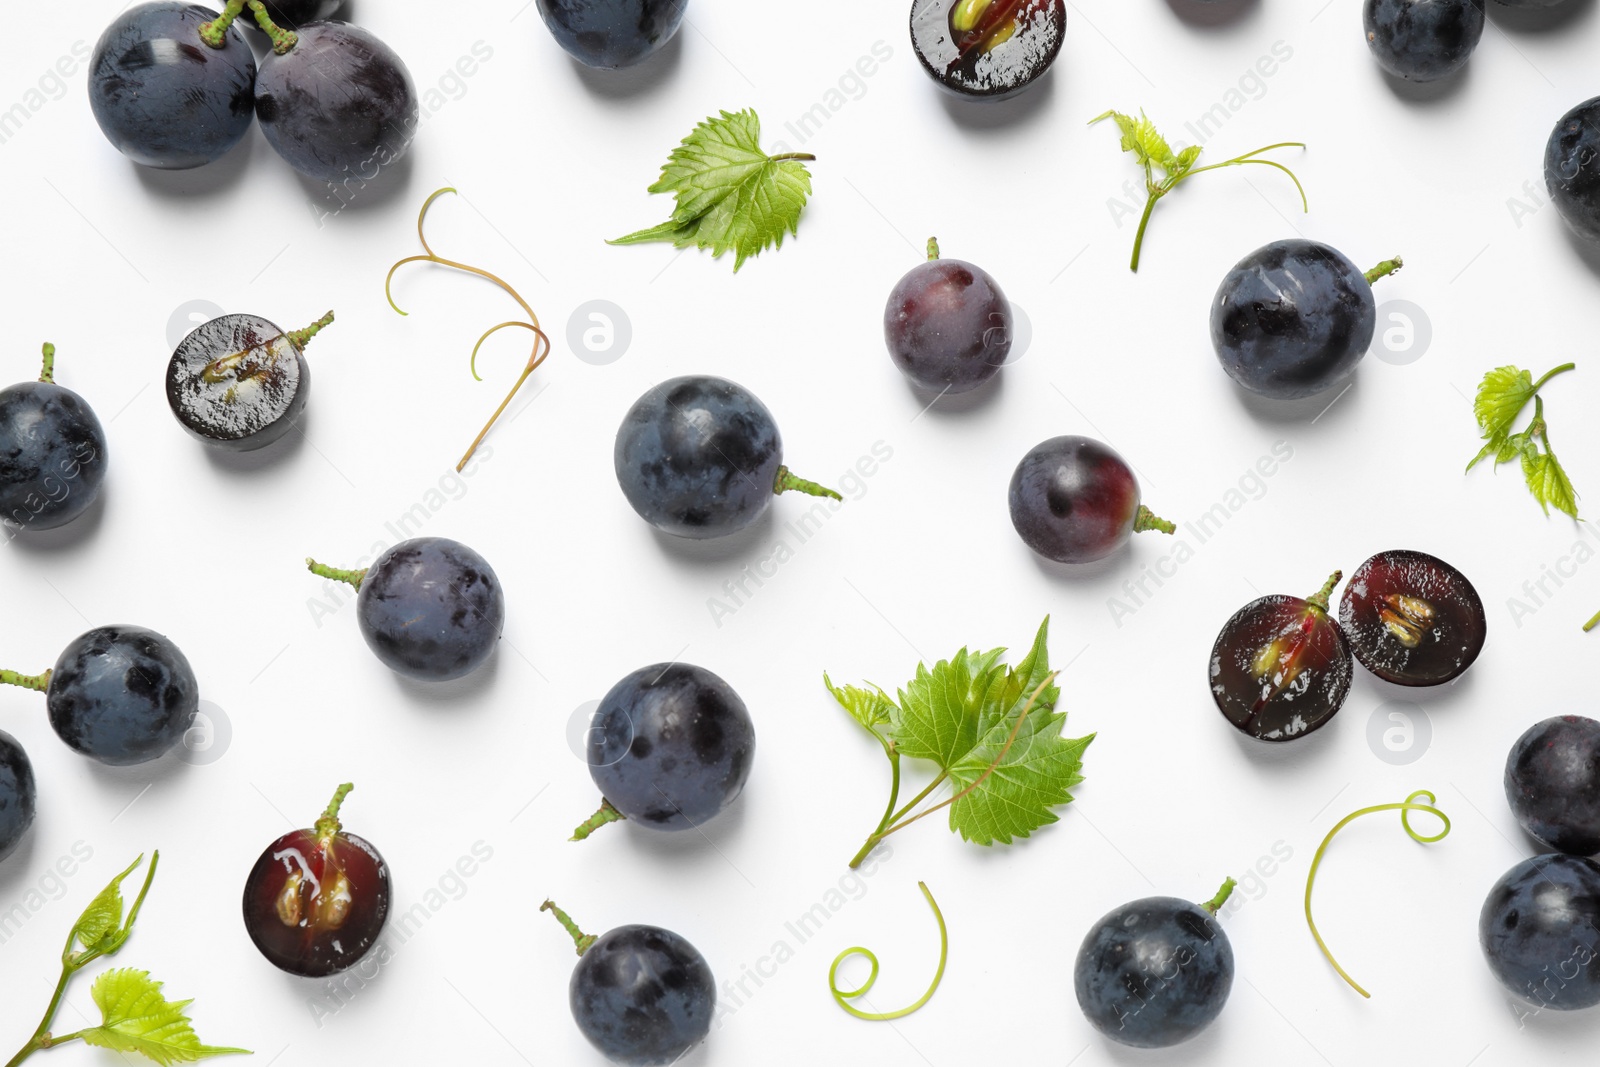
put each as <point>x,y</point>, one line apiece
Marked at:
<point>1412,619</point>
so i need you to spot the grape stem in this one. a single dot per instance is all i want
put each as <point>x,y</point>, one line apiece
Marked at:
<point>1215,904</point>
<point>608,813</point>
<point>1319,599</point>
<point>328,825</point>
<point>215,32</point>
<point>841,996</point>
<point>788,481</point>
<point>540,338</point>
<point>579,938</point>
<point>1384,269</point>
<point>1145,519</point>
<point>47,373</point>
<point>353,578</point>
<point>301,338</point>
<point>933,248</point>
<point>1591,624</point>
<point>39,683</point>
<point>802,157</point>
<point>283,41</point>
<point>1405,811</point>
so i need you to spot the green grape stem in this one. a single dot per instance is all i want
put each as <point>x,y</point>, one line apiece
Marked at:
<point>933,248</point>
<point>608,813</point>
<point>788,481</point>
<point>352,578</point>
<point>1319,599</point>
<point>328,825</point>
<point>47,373</point>
<point>215,32</point>
<point>1215,904</point>
<point>1540,384</point>
<point>799,157</point>
<point>1384,269</point>
<point>840,996</point>
<point>300,338</point>
<point>1591,624</point>
<point>39,683</point>
<point>1146,519</point>
<point>283,41</point>
<point>582,940</point>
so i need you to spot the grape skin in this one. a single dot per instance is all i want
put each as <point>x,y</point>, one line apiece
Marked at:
<point>671,745</point>
<point>643,995</point>
<point>1423,40</point>
<point>1540,931</point>
<point>122,695</point>
<point>431,608</point>
<point>1572,168</point>
<point>1154,972</point>
<point>1073,499</point>
<point>162,96</point>
<point>612,33</point>
<point>339,106</point>
<point>948,326</point>
<point>52,456</point>
<point>18,794</point>
<point>1552,783</point>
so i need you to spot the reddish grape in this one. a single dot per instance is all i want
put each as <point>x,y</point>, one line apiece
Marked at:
<point>1412,619</point>
<point>1074,500</point>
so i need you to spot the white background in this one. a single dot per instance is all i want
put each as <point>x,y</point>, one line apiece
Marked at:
<point>550,159</point>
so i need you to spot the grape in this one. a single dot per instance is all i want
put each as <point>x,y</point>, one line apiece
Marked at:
<point>701,457</point>
<point>122,695</point>
<point>1572,168</point>
<point>316,900</point>
<point>295,13</point>
<point>1412,619</point>
<point>1074,500</point>
<point>612,33</point>
<point>1553,783</point>
<point>239,382</point>
<point>1281,667</point>
<point>1293,318</point>
<point>52,453</point>
<point>429,608</point>
<point>947,325</point>
<point>339,105</point>
<point>18,794</point>
<point>1540,931</point>
<point>1154,972</point>
<point>670,746</point>
<point>987,51</point>
<point>1423,40</point>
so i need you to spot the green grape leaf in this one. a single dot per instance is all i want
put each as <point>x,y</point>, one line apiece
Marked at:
<point>137,1018</point>
<point>101,921</point>
<point>1139,136</point>
<point>872,708</point>
<point>730,195</point>
<point>1547,481</point>
<point>1502,395</point>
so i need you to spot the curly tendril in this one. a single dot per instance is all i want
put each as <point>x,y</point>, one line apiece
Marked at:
<point>1405,811</point>
<point>541,340</point>
<point>842,996</point>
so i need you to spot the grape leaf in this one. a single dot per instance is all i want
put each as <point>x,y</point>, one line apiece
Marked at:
<point>1547,481</point>
<point>102,919</point>
<point>1502,396</point>
<point>730,195</point>
<point>137,1018</point>
<point>872,708</point>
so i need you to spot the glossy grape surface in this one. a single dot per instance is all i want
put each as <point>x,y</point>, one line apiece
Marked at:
<point>1154,972</point>
<point>18,794</point>
<point>52,456</point>
<point>612,33</point>
<point>163,96</point>
<point>1540,931</point>
<point>237,382</point>
<point>671,745</point>
<point>431,608</point>
<point>1423,40</point>
<point>122,695</point>
<point>643,995</point>
<point>988,65</point>
<point>1280,668</point>
<point>948,326</point>
<point>1552,783</point>
<point>1292,318</point>
<point>314,905</point>
<point>698,457</point>
<point>294,13</point>
<point>1412,619</point>
<point>340,106</point>
<point>1073,499</point>
<point>1572,168</point>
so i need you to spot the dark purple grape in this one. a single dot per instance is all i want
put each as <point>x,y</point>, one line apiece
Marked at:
<point>52,453</point>
<point>612,33</point>
<point>429,608</point>
<point>947,325</point>
<point>1412,619</point>
<point>163,96</point>
<point>1553,783</point>
<point>1074,500</point>
<point>1281,666</point>
<point>239,382</point>
<point>1540,931</point>
<point>1423,40</point>
<point>18,794</point>
<point>339,105</point>
<point>1572,168</point>
<point>987,51</point>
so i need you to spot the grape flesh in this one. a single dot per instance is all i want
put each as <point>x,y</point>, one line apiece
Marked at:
<point>1011,47</point>
<point>122,695</point>
<point>339,106</point>
<point>1572,168</point>
<point>237,382</point>
<point>1154,972</point>
<point>1074,500</point>
<point>52,456</point>
<point>163,96</point>
<point>1292,319</point>
<point>699,457</point>
<point>643,995</point>
<point>1280,668</point>
<point>315,903</point>
<point>1540,931</point>
<point>18,794</point>
<point>612,33</point>
<point>948,326</point>
<point>1423,40</point>
<point>1412,619</point>
<point>671,745</point>
<point>431,608</point>
<point>1552,783</point>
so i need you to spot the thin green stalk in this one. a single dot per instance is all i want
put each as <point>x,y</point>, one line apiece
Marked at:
<point>840,996</point>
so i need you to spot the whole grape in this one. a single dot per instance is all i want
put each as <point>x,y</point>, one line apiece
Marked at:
<point>431,608</point>
<point>1423,40</point>
<point>52,453</point>
<point>1540,931</point>
<point>612,33</point>
<point>1074,500</point>
<point>671,745</point>
<point>1552,783</point>
<point>18,794</point>
<point>122,695</point>
<point>1572,168</point>
<point>947,325</point>
<point>163,96</point>
<point>643,995</point>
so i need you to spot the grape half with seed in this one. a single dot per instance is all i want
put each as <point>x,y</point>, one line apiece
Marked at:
<point>239,382</point>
